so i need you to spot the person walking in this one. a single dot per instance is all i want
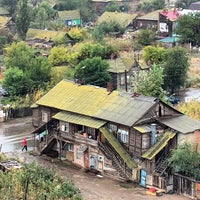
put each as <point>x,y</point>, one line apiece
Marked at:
<point>24,144</point>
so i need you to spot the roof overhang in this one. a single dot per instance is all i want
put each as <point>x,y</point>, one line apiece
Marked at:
<point>154,150</point>
<point>79,119</point>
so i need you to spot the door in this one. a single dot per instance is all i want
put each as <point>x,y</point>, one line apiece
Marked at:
<point>143,176</point>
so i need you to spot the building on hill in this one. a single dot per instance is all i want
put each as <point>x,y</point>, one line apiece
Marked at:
<point>110,132</point>
<point>71,18</point>
<point>124,19</point>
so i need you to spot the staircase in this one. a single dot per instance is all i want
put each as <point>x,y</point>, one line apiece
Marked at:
<point>162,165</point>
<point>117,162</point>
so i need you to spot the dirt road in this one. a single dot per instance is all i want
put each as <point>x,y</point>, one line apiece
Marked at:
<point>91,186</point>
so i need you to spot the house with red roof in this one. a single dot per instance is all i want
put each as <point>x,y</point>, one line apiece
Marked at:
<point>167,22</point>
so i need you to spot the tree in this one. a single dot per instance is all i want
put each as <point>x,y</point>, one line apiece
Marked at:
<point>188,28</point>
<point>184,3</point>
<point>15,82</point>
<point>11,5</point>
<point>154,55</point>
<point>23,19</point>
<point>31,71</point>
<point>146,37</point>
<point>149,83</point>
<point>112,7</point>
<point>61,55</point>
<point>93,71</point>
<point>96,50</point>
<point>186,161</point>
<point>148,6</point>
<point>43,13</point>
<point>106,28</point>
<point>175,69</point>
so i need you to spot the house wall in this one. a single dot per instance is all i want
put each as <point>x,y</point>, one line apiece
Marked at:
<point>193,138</point>
<point>38,118</point>
<point>143,24</point>
<point>135,144</point>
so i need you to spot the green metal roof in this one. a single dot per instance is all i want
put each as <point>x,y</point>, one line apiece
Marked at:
<point>79,119</point>
<point>182,123</point>
<point>118,147</point>
<point>119,65</point>
<point>153,151</point>
<point>124,19</point>
<point>152,16</point>
<point>69,14</point>
<point>97,102</point>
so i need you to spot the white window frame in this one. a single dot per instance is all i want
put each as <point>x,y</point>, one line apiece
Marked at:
<point>70,147</point>
<point>123,135</point>
<point>44,116</point>
<point>65,127</point>
<point>112,127</point>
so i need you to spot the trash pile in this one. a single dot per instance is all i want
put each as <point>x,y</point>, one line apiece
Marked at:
<point>9,165</point>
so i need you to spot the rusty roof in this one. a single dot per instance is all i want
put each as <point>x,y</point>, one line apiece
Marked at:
<point>182,123</point>
<point>69,14</point>
<point>97,102</point>
<point>124,19</point>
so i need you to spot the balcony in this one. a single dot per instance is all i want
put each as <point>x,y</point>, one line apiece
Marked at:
<point>83,138</point>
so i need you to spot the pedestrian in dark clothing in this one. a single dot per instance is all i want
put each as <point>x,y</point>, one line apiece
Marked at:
<point>24,144</point>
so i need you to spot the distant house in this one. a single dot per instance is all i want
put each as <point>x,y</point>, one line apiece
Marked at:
<point>149,20</point>
<point>70,17</point>
<point>43,39</point>
<point>195,6</point>
<point>121,70</point>
<point>124,19</point>
<point>4,12</point>
<point>111,132</point>
<point>8,23</point>
<point>167,22</point>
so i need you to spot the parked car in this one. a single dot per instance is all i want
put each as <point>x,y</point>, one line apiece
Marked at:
<point>173,99</point>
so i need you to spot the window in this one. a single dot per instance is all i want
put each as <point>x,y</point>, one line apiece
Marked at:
<point>65,127</point>
<point>112,127</point>
<point>70,147</point>
<point>44,117</point>
<point>80,128</point>
<point>123,136</point>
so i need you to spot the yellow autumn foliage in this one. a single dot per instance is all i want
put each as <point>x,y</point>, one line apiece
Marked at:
<point>191,108</point>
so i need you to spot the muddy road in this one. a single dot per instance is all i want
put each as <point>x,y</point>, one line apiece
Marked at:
<point>91,186</point>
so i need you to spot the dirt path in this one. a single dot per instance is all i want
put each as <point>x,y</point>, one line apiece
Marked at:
<point>91,186</point>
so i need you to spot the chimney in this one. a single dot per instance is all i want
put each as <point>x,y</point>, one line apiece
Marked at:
<point>153,134</point>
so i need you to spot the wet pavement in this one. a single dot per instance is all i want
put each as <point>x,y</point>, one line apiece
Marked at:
<point>12,133</point>
<point>193,93</point>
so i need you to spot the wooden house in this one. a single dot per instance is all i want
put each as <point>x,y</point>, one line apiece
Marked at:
<point>149,21</point>
<point>119,133</point>
<point>167,22</point>
<point>121,70</point>
<point>70,17</point>
<point>124,19</point>
<point>7,24</point>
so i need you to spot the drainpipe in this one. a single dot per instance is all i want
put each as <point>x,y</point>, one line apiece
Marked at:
<point>153,134</point>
